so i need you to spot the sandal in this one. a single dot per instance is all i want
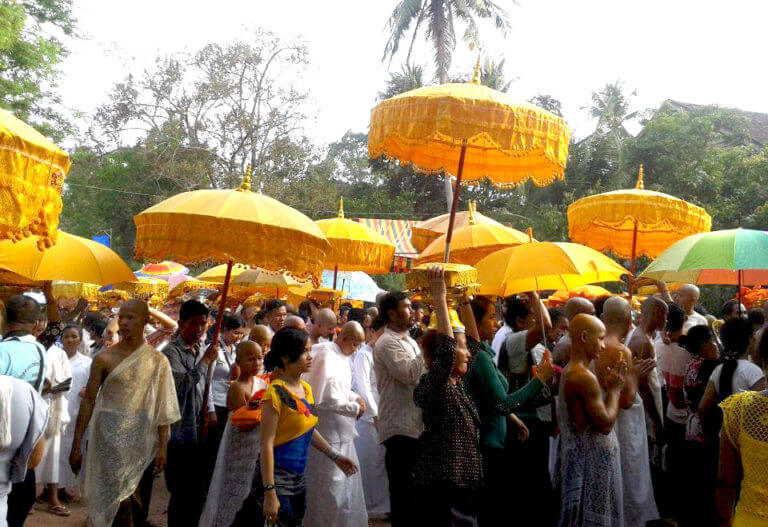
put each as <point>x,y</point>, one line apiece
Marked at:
<point>59,510</point>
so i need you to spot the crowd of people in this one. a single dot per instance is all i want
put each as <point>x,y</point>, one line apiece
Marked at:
<point>500,412</point>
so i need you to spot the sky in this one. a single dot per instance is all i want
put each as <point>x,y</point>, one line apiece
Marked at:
<point>700,51</point>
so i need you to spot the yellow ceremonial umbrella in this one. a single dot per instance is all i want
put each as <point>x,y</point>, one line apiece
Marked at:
<point>73,258</point>
<point>74,290</point>
<point>474,242</point>
<point>355,247</point>
<point>32,171</point>
<point>425,232</point>
<point>540,266</point>
<point>472,132</point>
<point>187,286</point>
<point>144,286</point>
<point>229,226</point>
<point>634,222</point>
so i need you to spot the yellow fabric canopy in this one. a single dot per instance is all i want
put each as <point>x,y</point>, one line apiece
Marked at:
<point>354,246</point>
<point>74,290</point>
<point>541,266</point>
<point>32,171</point>
<point>232,225</point>
<point>474,242</point>
<point>425,232</point>
<point>73,258</point>
<point>247,281</point>
<point>507,141</point>
<point>144,286</point>
<point>606,221</point>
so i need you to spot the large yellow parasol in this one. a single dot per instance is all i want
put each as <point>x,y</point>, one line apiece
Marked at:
<point>32,171</point>
<point>73,258</point>
<point>634,222</point>
<point>474,242</point>
<point>427,231</point>
<point>229,226</point>
<point>540,266</point>
<point>472,132</point>
<point>355,247</point>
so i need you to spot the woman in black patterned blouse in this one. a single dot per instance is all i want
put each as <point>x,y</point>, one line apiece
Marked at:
<point>448,470</point>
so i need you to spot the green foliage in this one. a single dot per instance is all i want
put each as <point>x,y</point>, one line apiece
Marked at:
<point>31,49</point>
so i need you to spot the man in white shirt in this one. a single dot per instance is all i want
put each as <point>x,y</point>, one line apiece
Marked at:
<point>686,297</point>
<point>323,326</point>
<point>333,498</point>
<point>398,364</point>
<point>503,331</point>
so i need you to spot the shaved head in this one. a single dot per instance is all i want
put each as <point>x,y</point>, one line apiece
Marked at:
<point>138,306</point>
<point>587,337</point>
<point>261,335</point>
<point>325,316</point>
<point>351,337</point>
<point>654,313</point>
<point>686,297</point>
<point>245,349</point>
<point>295,322</point>
<point>577,306</point>
<point>616,312</point>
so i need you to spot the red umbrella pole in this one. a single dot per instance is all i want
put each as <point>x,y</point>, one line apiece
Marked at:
<point>632,264</point>
<point>215,339</point>
<point>455,203</point>
<point>335,276</point>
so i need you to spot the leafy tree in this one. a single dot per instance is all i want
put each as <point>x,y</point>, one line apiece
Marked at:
<point>32,35</point>
<point>224,101</point>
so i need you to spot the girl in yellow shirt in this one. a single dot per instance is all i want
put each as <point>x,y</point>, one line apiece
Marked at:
<point>288,428</point>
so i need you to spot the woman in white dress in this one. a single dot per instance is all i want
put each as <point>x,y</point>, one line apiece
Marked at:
<point>58,373</point>
<point>80,365</point>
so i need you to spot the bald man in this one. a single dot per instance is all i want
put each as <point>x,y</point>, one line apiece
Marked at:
<point>129,403</point>
<point>653,319</point>
<point>639,503</point>
<point>295,322</point>
<point>332,498</point>
<point>323,326</point>
<point>687,296</point>
<point>574,306</point>
<point>590,457</point>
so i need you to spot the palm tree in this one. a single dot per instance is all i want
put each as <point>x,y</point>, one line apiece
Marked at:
<point>440,18</point>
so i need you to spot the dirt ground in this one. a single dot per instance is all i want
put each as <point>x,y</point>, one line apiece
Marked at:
<point>158,512</point>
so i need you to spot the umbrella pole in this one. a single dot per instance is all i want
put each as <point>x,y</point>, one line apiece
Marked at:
<point>215,340</point>
<point>455,203</point>
<point>738,294</point>
<point>335,276</point>
<point>632,264</point>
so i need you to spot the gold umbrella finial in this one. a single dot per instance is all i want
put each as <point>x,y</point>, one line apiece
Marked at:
<point>245,186</point>
<point>472,210</point>
<point>640,184</point>
<point>476,75</point>
<point>341,207</point>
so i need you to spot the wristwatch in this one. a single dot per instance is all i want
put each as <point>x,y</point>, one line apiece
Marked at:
<point>268,487</point>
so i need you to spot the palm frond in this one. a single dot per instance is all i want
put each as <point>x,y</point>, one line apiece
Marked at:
<point>401,19</point>
<point>440,32</point>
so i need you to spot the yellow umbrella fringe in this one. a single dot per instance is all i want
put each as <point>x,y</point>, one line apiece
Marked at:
<point>557,174</point>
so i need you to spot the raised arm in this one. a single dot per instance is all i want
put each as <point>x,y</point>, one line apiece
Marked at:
<point>167,322</point>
